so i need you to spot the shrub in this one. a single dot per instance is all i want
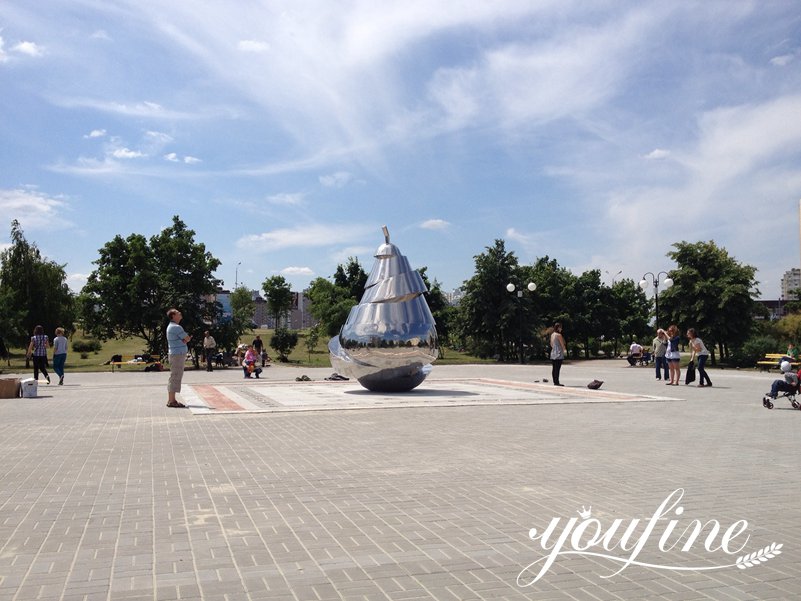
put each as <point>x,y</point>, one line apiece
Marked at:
<point>753,350</point>
<point>283,341</point>
<point>86,346</point>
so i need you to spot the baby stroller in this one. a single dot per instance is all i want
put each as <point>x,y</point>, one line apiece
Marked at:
<point>787,388</point>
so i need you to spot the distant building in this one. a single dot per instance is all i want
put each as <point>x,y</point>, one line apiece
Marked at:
<point>776,309</point>
<point>791,283</point>
<point>454,297</point>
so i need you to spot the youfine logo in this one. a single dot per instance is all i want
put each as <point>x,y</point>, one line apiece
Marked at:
<point>622,541</point>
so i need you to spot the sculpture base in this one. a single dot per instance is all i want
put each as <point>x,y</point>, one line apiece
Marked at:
<point>398,379</point>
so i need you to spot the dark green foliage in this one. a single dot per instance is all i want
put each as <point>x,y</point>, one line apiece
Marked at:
<point>712,293</point>
<point>754,349</point>
<point>137,280</point>
<point>228,333</point>
<point>86,346</point>
<point>33,291</point>
<point>351,278</point>
<point>283,341</point>
<point>278,294</point>
<point>331,302</point>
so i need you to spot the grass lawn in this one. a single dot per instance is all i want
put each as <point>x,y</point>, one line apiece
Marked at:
<point>134,346</point>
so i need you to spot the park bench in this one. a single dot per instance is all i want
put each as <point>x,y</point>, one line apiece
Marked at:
<point>771,361</point>
<point>143,360</point>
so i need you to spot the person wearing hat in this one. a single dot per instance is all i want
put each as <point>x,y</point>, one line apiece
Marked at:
<point>788,384</point>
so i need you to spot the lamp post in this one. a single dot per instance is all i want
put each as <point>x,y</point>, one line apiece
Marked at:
<point>236,276</point>
<point>614,277</point>
<point>510,288</point>
<point>655,280</point>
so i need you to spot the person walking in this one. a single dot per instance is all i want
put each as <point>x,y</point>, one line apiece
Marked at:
<point>177,350</point>
<point>59,354</point>
<point>37,350</point>
<point>673,355</point>
<point>700,351</point>
<point>558,349</point>
<point>659,348</point>
<point>209,345</point>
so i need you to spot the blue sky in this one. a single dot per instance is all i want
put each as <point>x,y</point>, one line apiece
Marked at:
<point>287,133</point>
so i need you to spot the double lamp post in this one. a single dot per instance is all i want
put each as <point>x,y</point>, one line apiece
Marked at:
<point>644,283</point>
<point>510,288</point>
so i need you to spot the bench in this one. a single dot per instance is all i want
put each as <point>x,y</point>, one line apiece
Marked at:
<point>139,360</point>
<point>771,361</point>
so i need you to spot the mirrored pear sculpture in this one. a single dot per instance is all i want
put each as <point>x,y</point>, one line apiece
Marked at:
<point>390,339</point>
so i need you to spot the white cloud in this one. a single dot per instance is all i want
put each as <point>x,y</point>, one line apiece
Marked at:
<point>33,208</point>
<point>158,137</point>
<point>100,34</point>
<point>575,71</point>
<point>76,281</point>
<point>308,236</point>
<point>781,61</point>
<point>3,55</point>
<point>96,133</point>
<point>291,271</point>
<point>513,234</point>
<point>171,156</point>
<point>336,180</point>
<point>126,153</point>
<point>190,160</point>
<point>657,154</point>
<point>343,254</point>
<point>28,48</point>
<point>286,198</point>
<point>435,224</point>
<point>253,46</point>
<point>147,109</point>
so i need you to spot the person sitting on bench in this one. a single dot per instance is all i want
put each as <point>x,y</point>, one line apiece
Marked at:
<point>635,354</point>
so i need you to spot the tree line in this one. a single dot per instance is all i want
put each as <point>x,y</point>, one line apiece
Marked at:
<point>137,278</point>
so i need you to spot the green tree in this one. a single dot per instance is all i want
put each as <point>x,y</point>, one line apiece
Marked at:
<point>713,293</point>
<point>33,291</point>
<point>632,309</point>
<point>283,341</point>
<point>228,332</point>
<point>439,307</point>
<point>312,338</point>
<point>351,277</point>
<point>278,294</point>
<point>329,304</point>
<point>137,280</point>
<point>488,312</point>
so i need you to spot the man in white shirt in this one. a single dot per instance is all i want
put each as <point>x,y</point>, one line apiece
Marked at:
<point>635,354</point>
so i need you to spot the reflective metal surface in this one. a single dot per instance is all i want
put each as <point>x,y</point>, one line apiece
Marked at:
<point>390,338</point>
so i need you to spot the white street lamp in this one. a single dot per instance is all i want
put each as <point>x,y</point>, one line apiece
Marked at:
<point>667,283</point>
<point>510,287</point>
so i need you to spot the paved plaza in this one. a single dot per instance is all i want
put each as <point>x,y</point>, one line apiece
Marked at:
<point>275,489</point>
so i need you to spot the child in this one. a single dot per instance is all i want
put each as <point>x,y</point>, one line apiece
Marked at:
<point>788,384</point>
<point>249,362</point>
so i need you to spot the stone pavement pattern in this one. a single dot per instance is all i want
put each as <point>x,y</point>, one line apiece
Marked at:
<point>107,494</point>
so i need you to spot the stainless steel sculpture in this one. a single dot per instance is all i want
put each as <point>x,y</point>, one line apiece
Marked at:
<point>390,338</point>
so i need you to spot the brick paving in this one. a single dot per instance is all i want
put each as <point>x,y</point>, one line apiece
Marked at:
<point>107,494</point>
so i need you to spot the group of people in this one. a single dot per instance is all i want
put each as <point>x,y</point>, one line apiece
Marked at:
<point>665,350</point>
<point>667,355</point>
<point>177,339</point>
<point>38,349</point>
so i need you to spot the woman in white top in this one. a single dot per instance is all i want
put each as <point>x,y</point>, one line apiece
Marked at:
<point>558,350</point>
<point>699,351</point>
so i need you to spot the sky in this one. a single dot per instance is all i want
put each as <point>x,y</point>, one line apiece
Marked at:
<point>286,134</point>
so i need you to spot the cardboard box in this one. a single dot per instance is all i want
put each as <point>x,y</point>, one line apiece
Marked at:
<point>9,388</point>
